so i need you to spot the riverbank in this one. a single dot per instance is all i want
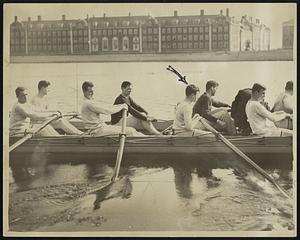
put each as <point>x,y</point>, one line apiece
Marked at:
<point>272,55</point>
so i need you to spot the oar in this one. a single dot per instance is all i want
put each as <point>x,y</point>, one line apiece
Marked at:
<point>30,135</point>
<point>121,148</point>
<point>242,155</point>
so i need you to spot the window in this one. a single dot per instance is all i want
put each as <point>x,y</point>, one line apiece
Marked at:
<point>115,32</point>
<point>220,29</point>
<point>155,30</point>
<point>125,31</point>
<point>179,30</point>
<point>185,45</point>
<point>190,29</point>
<point>190,37</point>
<point>214,36</point>
<point>105,44</point>
<point>99,32</point>
<point>184,37</point>
<point>206,37</point>
<point>150,39</point>
<point>104,32</point>
<point>173,30</point>
<point>109,32</point>
<point>168,37</point>
<point>196,45</point>
<point>225,36</point>
<point>179,37</point>
<point>136,43</point>
<point>220,37</point>
<point>174,45</point>
<point>190,45</point>
<point>185,30</point>
<point>225,28</point>
<point>163,37</point>
<point>115,44</point>
<point>174,37</point>
<point>125,44</point>
<point>135,31</point>
<point>214,29</point>
<point>130,31</point>
<point>195,29</point>
<point>195,37</point>
<point>144,31</point>
<point>201,45</point>
<point>201,37</point>
<point>149,30</point>
<point>179,45</point>
<point>206,29</point>
<point>85,32</point>
<point>163,30</point>
<point>168,30</point>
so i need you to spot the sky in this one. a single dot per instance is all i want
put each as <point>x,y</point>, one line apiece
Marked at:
<point>270,14</point>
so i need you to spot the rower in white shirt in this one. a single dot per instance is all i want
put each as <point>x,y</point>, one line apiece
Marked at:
<point>184,124</point>
<point>23,114</point>
<point>91,115</point>
<point>40,102</point>
<point>257,115</point>
<point>284,102</point>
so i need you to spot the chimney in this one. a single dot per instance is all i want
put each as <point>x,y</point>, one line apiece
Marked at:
<point>227,12</point>
<point>221,12</point>
<point>104,15</point>
<point>87,17</point>
<point>175,13</point>
<point>257,21</point>
<point>16,18</point>
<point>39,18</point>
<point>64,17</point>
<point>202,12</point>
<point>29,19</point>
<point>129,14</point>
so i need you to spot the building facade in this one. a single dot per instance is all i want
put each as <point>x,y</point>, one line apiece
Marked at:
<point>288,34</point>
<point>137,34</point>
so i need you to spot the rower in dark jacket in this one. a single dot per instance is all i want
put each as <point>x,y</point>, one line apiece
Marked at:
<point>218,118</point>
<point>138,118</point>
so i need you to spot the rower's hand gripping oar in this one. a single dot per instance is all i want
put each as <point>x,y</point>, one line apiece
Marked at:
<point>121,147</point>
<point>242,155</point>
<point>181,78</point>
<point>31,134</point>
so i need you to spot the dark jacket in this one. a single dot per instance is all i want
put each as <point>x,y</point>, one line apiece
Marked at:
<point>204,105</point>
<point>133,108</point>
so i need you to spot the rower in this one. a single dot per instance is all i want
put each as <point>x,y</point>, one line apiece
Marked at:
<point>184,124</point>
<point>23,114</point>
<point>91,115</point>
<point>138,118</point>
<point>218,118</point>
<point>41,103</point>
<point>257,115</point>
<point>284,102</point>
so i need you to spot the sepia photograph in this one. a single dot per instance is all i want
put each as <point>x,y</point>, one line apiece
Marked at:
<point>150,119</point>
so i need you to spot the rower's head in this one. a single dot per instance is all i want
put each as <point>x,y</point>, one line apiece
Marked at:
<point>21,94</point>
<point>191,92</point>
<point>211,87</point>
<point>258,92</point>
<point>87,89</point>
<point>43,87</point>
<point>289,87</point>
<point>126,88</point>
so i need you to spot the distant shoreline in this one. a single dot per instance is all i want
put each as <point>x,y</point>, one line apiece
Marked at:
<point>272,55</point>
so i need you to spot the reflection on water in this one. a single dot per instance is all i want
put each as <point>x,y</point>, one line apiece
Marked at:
<point>202,195</point>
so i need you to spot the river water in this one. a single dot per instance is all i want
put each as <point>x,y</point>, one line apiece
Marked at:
<point>162,195</point>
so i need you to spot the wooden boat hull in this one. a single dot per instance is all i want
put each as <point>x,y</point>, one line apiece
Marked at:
<point>72,148</point>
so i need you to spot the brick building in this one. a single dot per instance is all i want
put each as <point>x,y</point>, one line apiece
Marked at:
<point>138,34</point>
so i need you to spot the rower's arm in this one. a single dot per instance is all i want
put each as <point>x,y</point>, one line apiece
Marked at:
<point>99,108</point>
<point>137,107</point>
<point>261,110</point>
<point>34,115</point>
<point>219,104</point>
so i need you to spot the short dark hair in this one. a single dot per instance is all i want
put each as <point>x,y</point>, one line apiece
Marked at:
<point>125,84</point>
<point>289,85</point>
<point>191,89</point>
<point>43,83</point>
<point>257,87</point>
<point>86,85</point>
<point>19,90</point>
<point>210,84</point>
